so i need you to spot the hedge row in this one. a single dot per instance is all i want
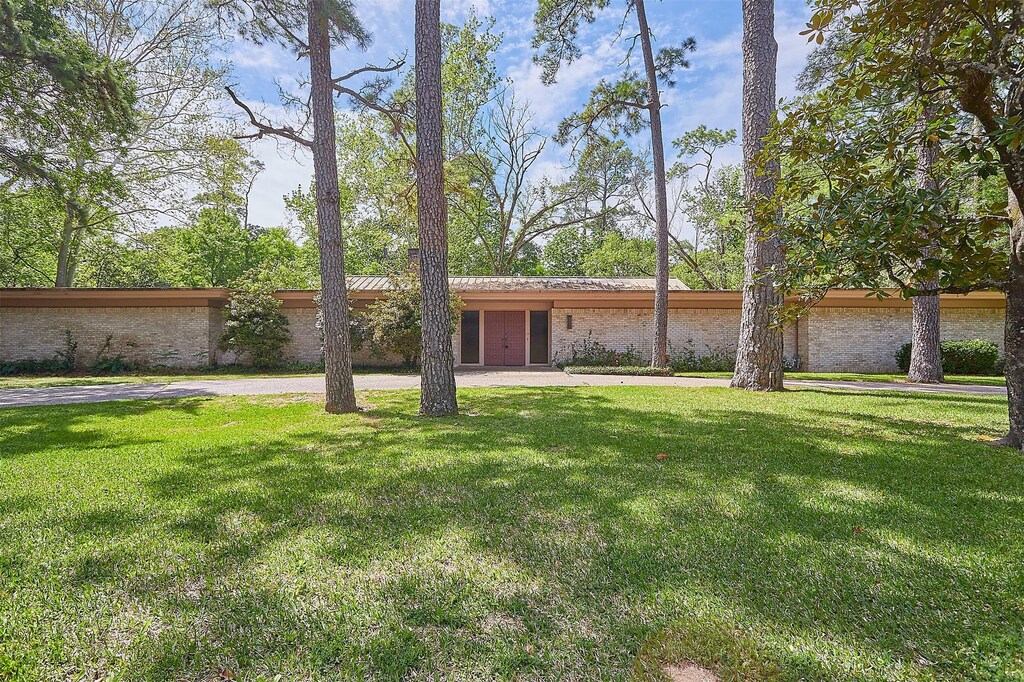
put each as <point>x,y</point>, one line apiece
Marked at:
<point>619,370</point>
<point>976,357</point>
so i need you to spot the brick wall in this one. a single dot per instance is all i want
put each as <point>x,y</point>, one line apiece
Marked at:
<point>830,338</point>
<point>866,339</point>
<point>702,331</point>
<point>172,336</point>
<point>305,344</point>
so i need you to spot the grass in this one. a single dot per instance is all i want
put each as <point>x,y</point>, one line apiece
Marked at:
<point>812,534</point>
<point>171,375</point>
<point>852,376</point>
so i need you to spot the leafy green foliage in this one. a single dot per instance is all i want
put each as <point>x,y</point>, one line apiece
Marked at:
<point>590,353</point>
<point>52,80</point>
<point>687,359</point>
<point>255,327</point>
<point>620,370</point>
<point>620,256</point>
<point>391,325</point>
<point>856,219</point>
<point>974,357</point>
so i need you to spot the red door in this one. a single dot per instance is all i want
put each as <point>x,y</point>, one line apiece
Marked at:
<point>504,337</point>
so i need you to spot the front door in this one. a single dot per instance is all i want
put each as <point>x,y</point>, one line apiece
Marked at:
<point>504,337</point>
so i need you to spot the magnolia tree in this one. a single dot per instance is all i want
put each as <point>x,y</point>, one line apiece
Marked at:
<point>963,59</point>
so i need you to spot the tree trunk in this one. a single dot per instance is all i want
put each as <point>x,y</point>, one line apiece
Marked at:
<point>659,352</point>
<point>341,395</point>
<point>437,360</point>
<point>925,349</point>
<point>925,353</point>
<point>63,277</point>
<point>1013,339</point>
<point>759,352</point>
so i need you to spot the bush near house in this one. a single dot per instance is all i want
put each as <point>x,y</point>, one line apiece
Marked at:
<point>391,325</point>
<point>974,357</point>
<point>687,360</point>
<point>255,327</point>
<point>590,353</point>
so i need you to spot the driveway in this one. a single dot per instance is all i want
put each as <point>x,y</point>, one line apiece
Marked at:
<point>62,395</point>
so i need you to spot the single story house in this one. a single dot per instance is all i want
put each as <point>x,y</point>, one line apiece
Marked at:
<point>506,321</point>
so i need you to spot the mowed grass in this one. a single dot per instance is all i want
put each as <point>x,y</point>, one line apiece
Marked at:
<point>805,535</point>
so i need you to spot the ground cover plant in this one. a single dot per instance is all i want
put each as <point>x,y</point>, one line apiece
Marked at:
<point>559,533</point>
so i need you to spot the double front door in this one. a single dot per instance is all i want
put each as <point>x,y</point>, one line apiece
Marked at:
<point>504,337</point>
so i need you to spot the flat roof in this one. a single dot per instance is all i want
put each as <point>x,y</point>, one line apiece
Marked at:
<point>511,293</point>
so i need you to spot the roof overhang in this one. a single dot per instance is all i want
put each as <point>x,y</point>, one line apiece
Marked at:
<point>474,299</point>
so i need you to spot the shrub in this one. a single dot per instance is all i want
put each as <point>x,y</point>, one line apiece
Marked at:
<point>975,357</point>
<point>590,353</point>
<point>687,360</point>
<point>107,364</point>
<point>391,325</point>
<point>256,327</point>
<point>645,371</point>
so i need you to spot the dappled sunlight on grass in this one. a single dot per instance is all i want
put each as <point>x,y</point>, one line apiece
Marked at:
<point>809,534</point>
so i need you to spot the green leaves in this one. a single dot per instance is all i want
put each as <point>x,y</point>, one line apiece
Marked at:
<point>256,327</point>
<point>557,24</point>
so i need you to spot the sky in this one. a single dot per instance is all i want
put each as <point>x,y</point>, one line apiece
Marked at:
<point>708,93</point>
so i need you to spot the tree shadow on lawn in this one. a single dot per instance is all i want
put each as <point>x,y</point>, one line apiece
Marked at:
<point>538,535</point>
<point>25,430</point>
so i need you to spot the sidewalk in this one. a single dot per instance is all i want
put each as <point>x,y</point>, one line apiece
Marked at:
<point>63,395</point>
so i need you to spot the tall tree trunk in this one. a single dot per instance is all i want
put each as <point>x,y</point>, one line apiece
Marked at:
<point>759,352</point>
<point>1013,338</point>
<point>341,395</point>
<point>925,348</point>
<point>659,352</point>
<point>437,360</point>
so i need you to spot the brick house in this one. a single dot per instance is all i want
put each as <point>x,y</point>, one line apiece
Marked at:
<point>506,321</point>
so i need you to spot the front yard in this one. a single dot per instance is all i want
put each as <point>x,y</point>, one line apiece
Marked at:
<point>811,534</point>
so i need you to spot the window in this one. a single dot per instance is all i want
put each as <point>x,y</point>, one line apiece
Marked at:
<point>470,337</point>
<point>538,337</point>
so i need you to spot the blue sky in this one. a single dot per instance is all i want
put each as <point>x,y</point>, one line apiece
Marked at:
<point>708,93</point>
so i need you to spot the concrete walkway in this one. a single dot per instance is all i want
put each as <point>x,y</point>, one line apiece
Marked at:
<point>62,395</point>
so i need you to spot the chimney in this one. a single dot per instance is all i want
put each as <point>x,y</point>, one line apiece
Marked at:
<point>414,260</point>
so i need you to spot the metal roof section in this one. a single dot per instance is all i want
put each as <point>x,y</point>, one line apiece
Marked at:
<point>514,283</point>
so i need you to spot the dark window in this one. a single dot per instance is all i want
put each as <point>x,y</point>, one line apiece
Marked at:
<point>470,337</point>
<point>538,336</point>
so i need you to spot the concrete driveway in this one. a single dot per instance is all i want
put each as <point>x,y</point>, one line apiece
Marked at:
<point>62,395</point>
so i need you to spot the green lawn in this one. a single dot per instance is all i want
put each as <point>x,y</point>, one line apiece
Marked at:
<point>804,535</point>
<point>851,376</point>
